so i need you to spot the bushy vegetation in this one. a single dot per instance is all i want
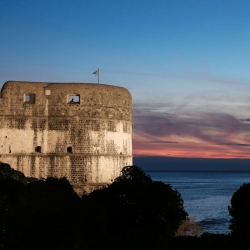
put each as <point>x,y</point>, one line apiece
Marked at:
<point>133,212</point>
<point>7,172</point>
<point>134,207</point>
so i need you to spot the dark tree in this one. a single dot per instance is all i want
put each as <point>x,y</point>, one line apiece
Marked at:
<point>7,172</point>
<point>12,186</point>
<point>11,191</point>
<point>135,206</point>
<point>240,213</point>
<point>45,215</point>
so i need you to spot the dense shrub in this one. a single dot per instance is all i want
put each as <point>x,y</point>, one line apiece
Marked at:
<point>135,205</point>
<point>240,213</point>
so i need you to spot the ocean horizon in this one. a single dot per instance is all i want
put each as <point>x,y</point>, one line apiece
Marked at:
<point>162,163</point>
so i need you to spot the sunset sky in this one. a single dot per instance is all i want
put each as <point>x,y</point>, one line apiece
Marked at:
<point>185,62</point>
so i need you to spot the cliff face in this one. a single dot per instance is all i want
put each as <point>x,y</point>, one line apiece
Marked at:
<point>75,130</point>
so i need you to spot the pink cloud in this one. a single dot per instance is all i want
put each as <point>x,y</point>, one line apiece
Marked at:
<point>215,135</point>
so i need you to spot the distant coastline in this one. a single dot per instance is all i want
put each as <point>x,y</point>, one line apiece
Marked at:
<point>155,163</point>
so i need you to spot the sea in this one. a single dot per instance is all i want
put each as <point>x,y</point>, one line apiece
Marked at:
<point>206,195</point>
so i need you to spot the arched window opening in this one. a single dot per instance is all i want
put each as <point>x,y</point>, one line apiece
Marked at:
<point>69,150</point>
<point>38,149</point>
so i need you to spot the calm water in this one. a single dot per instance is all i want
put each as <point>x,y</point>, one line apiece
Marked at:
<point>206,194</point>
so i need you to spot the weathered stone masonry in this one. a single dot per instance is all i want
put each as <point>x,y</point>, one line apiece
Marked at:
<point>77,130</point>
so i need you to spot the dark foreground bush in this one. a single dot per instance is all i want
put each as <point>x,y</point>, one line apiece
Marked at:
<point>43,213</point>
<point>207,241</point>
<point>134,212</point>
<point>135,207</point>
<point>7,172</point>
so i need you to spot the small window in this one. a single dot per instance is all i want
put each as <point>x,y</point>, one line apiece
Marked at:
<point>72,99</point>
<point>47,91</point>
<point>29,98</point>
<point>69,150</point>
<point>38,149</point>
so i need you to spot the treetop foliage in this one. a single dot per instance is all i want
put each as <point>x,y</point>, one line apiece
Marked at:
<point>135,202</point>
<point>7,172</point>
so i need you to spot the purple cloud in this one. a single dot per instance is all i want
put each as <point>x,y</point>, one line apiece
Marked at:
<point>217,128</point>
<point>236,144</point>
<point>161,142</point>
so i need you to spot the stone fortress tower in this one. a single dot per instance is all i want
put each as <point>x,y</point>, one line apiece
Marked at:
<point>79,131</point>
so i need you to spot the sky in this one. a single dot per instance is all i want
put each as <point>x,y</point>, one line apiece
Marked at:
<point>185,62</point>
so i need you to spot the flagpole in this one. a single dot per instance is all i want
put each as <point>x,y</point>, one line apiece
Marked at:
<point>96,73</point>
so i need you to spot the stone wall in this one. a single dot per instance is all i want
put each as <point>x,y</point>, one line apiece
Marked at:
<point>77,130</point>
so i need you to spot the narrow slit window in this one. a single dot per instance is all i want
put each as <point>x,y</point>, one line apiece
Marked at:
<point>72,99</point>
<point>38,149</point>
<point>69,150</point>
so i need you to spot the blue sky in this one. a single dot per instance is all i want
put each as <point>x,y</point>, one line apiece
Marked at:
<point>186,64</point>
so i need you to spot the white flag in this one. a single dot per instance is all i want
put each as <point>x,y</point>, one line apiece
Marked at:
<point>96,73</point>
